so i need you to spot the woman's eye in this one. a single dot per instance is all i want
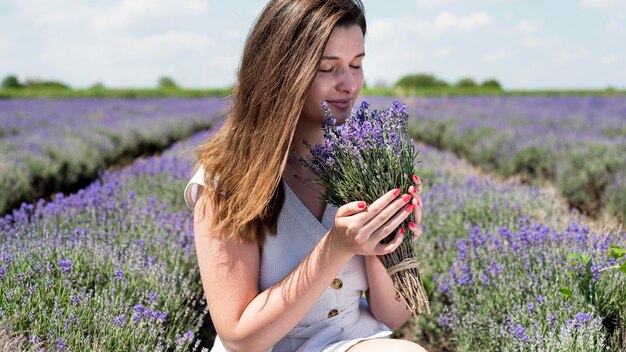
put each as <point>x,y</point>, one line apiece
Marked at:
<point>328,70</point>
<point>355,67</point>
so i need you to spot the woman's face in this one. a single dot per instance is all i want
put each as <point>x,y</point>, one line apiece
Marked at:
<point>339,78</point>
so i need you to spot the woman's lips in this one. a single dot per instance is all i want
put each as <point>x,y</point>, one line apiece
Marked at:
<point>341,104</point>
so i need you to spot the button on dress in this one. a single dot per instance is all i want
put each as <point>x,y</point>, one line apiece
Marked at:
<point>340,318</point>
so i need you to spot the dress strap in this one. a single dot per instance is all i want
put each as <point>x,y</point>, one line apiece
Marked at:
<point>194,188</point>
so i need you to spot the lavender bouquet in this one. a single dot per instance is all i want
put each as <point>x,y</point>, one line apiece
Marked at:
<point>364,158</point>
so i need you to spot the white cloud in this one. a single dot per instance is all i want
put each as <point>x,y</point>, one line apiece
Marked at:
<point>610,9</point>
<point>54,13</point>
<point>447,21</point>
<point>444,23</point>
<point>167,42</point>
<point>565,55</point>
<point>598,3</point>
<point>381,27</point>
<point>610,59</point>
<point>536,41</point>
<point>127,48</point>
<point>130,11</point>
<point>444,52</point>
<point>615,27</point>
<point>528,26</point>
<point>498,56</point>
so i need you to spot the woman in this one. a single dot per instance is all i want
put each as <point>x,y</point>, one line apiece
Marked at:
<point>281,270</point>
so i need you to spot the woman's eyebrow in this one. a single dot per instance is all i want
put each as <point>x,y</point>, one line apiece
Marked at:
<point>337,58</point>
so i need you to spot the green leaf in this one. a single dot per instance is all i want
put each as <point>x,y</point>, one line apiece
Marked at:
<point>616,252</point>
<point>566,292</point>
<point>622,268</point>
<point>576,258</point>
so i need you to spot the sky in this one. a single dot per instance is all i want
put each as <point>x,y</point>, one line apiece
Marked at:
<point>524,44</point>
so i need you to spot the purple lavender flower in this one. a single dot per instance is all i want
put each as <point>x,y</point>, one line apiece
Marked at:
<point>66,265</point>
<point>365,157</point>
<point>329,116</point>
<point>520,333</point>
<point>119,320</point>
<point>582,318</point>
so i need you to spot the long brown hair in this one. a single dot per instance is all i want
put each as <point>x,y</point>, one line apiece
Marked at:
<point>245,159</point>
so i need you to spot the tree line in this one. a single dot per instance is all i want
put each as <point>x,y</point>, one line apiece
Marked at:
<point>423,80</point>
<point>12,82</point>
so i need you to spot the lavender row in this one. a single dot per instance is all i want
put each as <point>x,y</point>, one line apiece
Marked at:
<point>577,143</point>
<point>52,145</point>
<point>111,267</point>
<point>498,260</point>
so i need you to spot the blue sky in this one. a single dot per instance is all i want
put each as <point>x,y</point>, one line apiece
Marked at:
<point>525,44</point>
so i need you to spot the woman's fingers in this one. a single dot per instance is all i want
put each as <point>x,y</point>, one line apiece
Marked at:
<point>417,209</point>
<point>382,220</point>
<point>386,248</point>
<point>418,183</point>
<point>416,230</point>
<point>351,209</point>
<point>398,216</point>
<point>379,204</point>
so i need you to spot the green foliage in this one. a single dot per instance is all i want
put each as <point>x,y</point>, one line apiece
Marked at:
<point>34,83</point>
<point>10,81</point>
<point>491,83</point>
<point>97,86</point>
<point>15,183</point>
<point>113,93</point>
<point>583,175</point>
<point>605,289</point>
<point>614,195</point>
<point>466,83</point>
<point>167,83</point>
<point>420,80</point>
<point>535,160</point>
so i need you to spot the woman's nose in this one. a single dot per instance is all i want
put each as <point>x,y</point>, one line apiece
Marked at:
<point>347,81</point>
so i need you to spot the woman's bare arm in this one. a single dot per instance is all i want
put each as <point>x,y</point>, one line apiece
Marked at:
<point>245,319</point>
<point>249,320</point>
<point>381,296</point>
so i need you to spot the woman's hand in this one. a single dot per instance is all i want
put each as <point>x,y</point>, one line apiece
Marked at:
<point>360,228</point>
<point>416,192</point>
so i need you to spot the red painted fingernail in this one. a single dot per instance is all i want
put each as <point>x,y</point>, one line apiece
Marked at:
<point>406,197</point>
<point>416,179</point>
<point>411,225</point>
<point>412,189</point>
<point>396,191</point>
<point>402,231</point>
<point>408,208</point>
<point>361,205</point>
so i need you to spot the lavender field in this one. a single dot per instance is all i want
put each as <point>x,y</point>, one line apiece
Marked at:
<point>109,268</point>
<point>53,145</point>
<point>507,266</point>
<point>576,142</point>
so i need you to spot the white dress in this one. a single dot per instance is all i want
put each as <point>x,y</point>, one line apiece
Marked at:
<point>341,317</point>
